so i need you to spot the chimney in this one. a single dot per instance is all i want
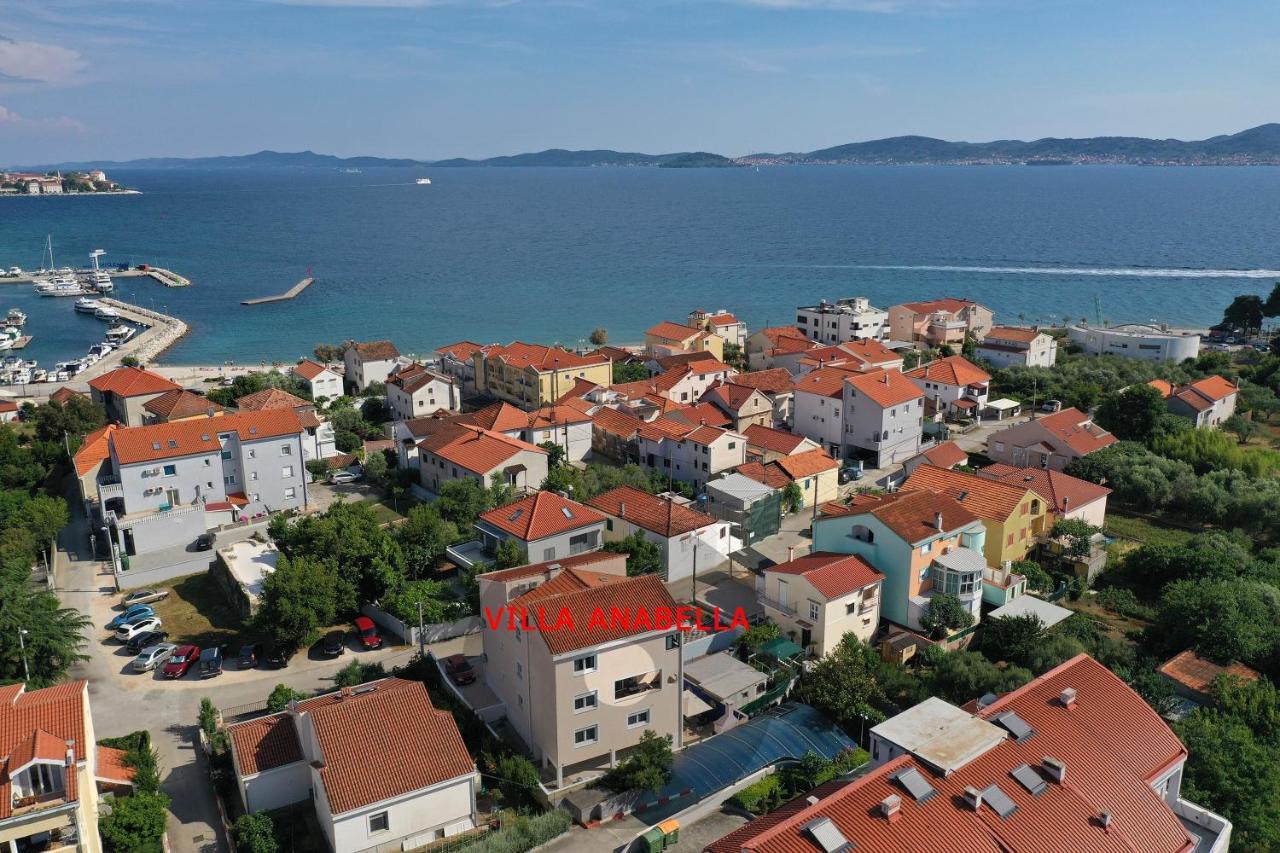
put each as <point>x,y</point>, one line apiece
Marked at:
<point>622,510</point>
<point>71,752</point>
<point>553,569</point>
<point>791,553</point>
<point>293,706</point>
<point>973,797</point>
<point>937,520</point>
<point>1104,818</point>
<point>812,800</point>
<point>1056,769</point>
<point>891,807</point>
<point>1068,697</point>
<point>1066,504</point>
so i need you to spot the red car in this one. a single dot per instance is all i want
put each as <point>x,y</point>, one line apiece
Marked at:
<point>181,661</point>
<point>368,633</point>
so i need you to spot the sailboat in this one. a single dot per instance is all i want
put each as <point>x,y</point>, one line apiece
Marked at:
<point>58,282</point>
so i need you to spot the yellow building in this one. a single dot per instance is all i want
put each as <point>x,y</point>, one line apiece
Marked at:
<point>1013,516</point>
<point>668,338</point>
<point>813,471</point>
<point>531,375</point>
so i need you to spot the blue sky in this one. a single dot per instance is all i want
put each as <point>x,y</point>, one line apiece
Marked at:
<point>117,79</point>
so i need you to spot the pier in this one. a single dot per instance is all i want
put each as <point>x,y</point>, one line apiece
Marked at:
<point>168,278</point>
<point>288,294</point>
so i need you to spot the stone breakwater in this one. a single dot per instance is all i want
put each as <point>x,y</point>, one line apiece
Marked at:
<point>162,331</point>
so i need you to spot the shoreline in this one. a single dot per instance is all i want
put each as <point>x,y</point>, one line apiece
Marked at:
<point>69,195</point>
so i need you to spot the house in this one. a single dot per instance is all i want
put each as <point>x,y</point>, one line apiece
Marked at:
<point>1136,340</point>
<point>946,454</point>
<point>383,768</point>
<point>179,405</point>
<point>864,354</point>
<point>318,440</point>
<point>720,323</point>
<point>125,390</point>
<point>770,444</point>
<point>407,435</point>
<point>1064,495</point>
<point>532,375</point>
<point>688,539</point>
<point>764,345</point>
<point>562,425</point>
<point>1193,676</point>
<point>689,453</point>
<point>939,322</point>
<point>368,363</point>
<point>414,390</point>
<point>723,683</point>
<point>615,434</point>
<point>1053,441</point>
<point>753,509</point>
<point>458,360</point>
<point>878,415</point>
<point>94,452</point>
<point>924,543</point>
<point>596,690</point>
<point>1008,345</point>
<point>682,383</point>
<point>1014,515</point>
<point>321,380</point>
<point>819,598</point>
<point>544,525</point>
<point>54,770</point>
<point>814,472</point>
<point>64,395</point>
<point>668,338</point>
<point>8,411</point>
<point>843,320</point>
<point>778,385</point>
<point>953,387</point>
<point>1074,760</point>
<point>462,452</point>
<point>165,484</point>
<point>743,405</point>
<point>1206,402</point>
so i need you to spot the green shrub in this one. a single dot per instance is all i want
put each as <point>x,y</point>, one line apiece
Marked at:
<point>255,833</point>
<point>208,717</point>
<point>136,823</point>
<point>760,797</point>
<point>1125,603</point>
<point>281,696</point>
<point>523,833</point>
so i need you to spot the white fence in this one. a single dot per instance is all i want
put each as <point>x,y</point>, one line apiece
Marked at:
<point>433,633</point>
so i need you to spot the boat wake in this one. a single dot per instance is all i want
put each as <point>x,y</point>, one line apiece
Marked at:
<point>1119,272</point>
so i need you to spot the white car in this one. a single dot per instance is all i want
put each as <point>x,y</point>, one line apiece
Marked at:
<point>339,478</point>
<point>128,632</point>
<point>152,656</point>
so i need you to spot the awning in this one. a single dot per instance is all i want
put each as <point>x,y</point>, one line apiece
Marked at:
<point>238,498</point>
<point>782,649</point>
<point>964,404</point>
<point>693,705</point>
<point>1004,404</point>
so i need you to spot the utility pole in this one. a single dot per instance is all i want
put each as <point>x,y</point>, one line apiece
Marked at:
<point>422,634</point>
<point>22,632</point>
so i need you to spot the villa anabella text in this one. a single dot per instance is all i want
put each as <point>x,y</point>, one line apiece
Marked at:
<point>684,618</point>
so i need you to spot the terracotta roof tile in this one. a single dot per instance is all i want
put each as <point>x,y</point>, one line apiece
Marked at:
<point>38,723</point>
<point>832,575</point>
<point>911,515</point>
<point>95,449</point>
<point>807,464</point>
<point>184,438</point>
<point>1012,333</point>
<point>952,370</point>
<point>269,398</point>
<point>662,516</point>
<point>376,351</point>
<point>1165,388</point>
<point>581,595</point>
<point>777,380</point>
<point>996,500</point>
<point>64,394</point>
<point>701,414</point>
<point>111,766</point>
<point>948,454</point>
<point>770,474</point>
<point>886,387</point>
<point>669,331</point>
<point>461,351</point>
<point>576,561</point>
<point>775,334</point>
<point>540,515</point>
<point>1215,387</point>
<point>731,397</point>
<point>265,743</point>
<point>309,369</point>
<point>175,405</point>
<point>777,440</point>
<point>616,422</point>
<point>1077,430</point>
<point>131,382</point>
<point>540,358</point>
<point>933,306</point>
<point>477,450</point>
<point>1062,491</point>
<point>1196,673</point>
<point>825,381</point>
<point>498,417</point>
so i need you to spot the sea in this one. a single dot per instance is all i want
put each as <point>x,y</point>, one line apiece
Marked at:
<point>549,254</point>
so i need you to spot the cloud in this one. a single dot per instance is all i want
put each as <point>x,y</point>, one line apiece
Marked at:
<point>34,62</point>
<point>11,119</point>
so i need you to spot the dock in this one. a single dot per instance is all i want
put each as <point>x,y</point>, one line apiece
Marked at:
<point>21,342</point>
<point>168,278</point>
<point>288,294</point>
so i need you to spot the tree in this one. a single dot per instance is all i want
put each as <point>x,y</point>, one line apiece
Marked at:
<point>1012,638</point>
<point>555,454</point>
<point>945,613</point>
<point>1077,534</point>
<point>255,833</point>
<point>1259,399</point>
<point>518,779</point>
<point>423,538</point>
<point>328,353</point>
<point>647,768</point>
<point>600,336</point>
<point>509,554</point>
<point>961,675</point>
<point>318,469</point>
<point>130,361</point>
<point>1243,428</point>
<point>1245,313</point>
<point>463,502</point>
<point>73,419</point>
<point>439,603</point>
<point>1132,414</point>
<point>643,557</point>
<point>136,823</point>
<point>357,672</point>
<point>1037,578</point>
<point>53,635</point>
<point>298,599</point>
<point>969,349</point>
<point>910,359</point>
<point>1271,308</point>
<point>792,497</point>
<point>757,635</point>
<point>1245,623</point>
<point>629,371</point>
<point>208,716</point>
<point>281,696</point>
<point>843,685</point>
<point>375,469</point>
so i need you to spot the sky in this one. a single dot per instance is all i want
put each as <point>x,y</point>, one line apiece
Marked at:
<point>121,79</point>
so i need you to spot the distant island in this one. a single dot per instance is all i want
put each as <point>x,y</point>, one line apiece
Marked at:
<point>1256,146</point>
<point>91,181</point>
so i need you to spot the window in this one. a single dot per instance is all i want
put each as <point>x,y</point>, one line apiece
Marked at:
<point>924,549</point>
<point>815,610</point>
<point>587,736</point>
<point>608,524</point>
<point>253,454</point>
<point>733,445</point>
<point>548,554</point>
<point>584,702</point>
<point>226,454</point>
<point>584,664</point>
<point>229,480</point>
<point>171,470</point>
<point>208,462</point>
<point>290,493</point>
<point>286,450</point>
<point>639,718</point>
<point>624,687</point>
<point>380,822</point>
<point>673,641</point>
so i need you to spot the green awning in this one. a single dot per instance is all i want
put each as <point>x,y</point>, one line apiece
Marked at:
<point>781,649</point>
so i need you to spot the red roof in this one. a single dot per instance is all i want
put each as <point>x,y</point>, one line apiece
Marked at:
<point>616,422</point>
<point>669,331</point>
<point>776,334</point>
<point>64,394</point>
<point>383,742</point>
<point>933,306</point>
<point>1062,491</point>
<point>1198,674</point>
<point>575,561</point>
<point>806,464</point>
<point>911,515</point>
<point>112,767</point>
<point>581,595</point>
<point>1214,387</point>
<point>269,398</point>
<point>175,405</point>
<point>37,725</point>
<point>776,380</point>
<point>948,454</point>
<point>730,396</point>
<point>952,370</point>
<point>1012,333</point>
<point>499,417</point>
<point>777,440</point>
<point>986,498</point>
<point>701,414</point>
<point>309,369</point>
<point>376,351</point>
<point>184,438</point>
<point>662,516</point>
<point>131,382</point>
<point>95,449</point>
<point>886,387</point>
<point>521,355</point>
<point>540,515</point>
<point>477,450</point>
<point>832,575</point>
<point>1113,745</point>
<point>461,351</point>
<point>1077,430</point>
<point>827,381</point>
<point>770,474</point>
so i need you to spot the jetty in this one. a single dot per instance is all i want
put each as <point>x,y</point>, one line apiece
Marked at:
<point>168,278</point>
<point>21,342</point>
<point>288,294</point>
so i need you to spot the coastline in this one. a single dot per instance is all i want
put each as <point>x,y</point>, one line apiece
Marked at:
<point>69,195</point>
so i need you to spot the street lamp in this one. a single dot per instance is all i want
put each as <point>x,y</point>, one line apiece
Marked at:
<point>22,632</point>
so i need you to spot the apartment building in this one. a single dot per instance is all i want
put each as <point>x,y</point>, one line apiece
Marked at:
<point>318,440</point>
<point>939,322</point>
<point>843,320</point>
<point>458,360</point>
<point>580,697</point>
<point>1008,345</point>
<point>1074,760</point>
<point>863,354</point>
<point>1053,441</point>
<point>876,415</point>
<point>667,338</point>
<point>321,380</point>
<point>367,363</point>
<point>125,390</point>
<point>688,539</point>
<point>383,769</point>
<point>720,322</point>
<point>565,426</point>
<point>544,525</point>
<point>414,391</point>
<point>953,387</point>
<point>1206,402</point>
<point>689,453</point>
<point>532,375</point>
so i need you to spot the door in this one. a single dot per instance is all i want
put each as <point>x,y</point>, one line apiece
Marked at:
<point>806,637</point>
<point>171,495</point>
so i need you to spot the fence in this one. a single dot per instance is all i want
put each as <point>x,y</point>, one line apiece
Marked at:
<point>433,633</point>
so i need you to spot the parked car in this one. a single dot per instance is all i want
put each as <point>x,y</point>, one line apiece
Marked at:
<point>127,632</point>
<point>339,478</point>
<point>368,633</point>
<point>334,644</point>
<point>250,655</point>
<point>459,669</point>
<point>150,638</point>
<point>277,656</point>
<point>181,660</point>
<point>134,613</point>
<point>143,596</point>
<point>211,662</point>
<point>204,542</point>
<point>153,656</point>
<point>1051,406</point>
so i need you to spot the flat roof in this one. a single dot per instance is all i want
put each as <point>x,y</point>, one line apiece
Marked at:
<point>1050,614</point>
<point>1004,404</point>
<point>740,486</point>
<point>250,562</point>
<point>722,675</point>
<point>940,734</point>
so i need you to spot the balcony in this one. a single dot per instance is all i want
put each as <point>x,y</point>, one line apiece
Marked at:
<point>1211,832</point>
<point>110,487</point>
<point>773,604</point>
<point>23,805</point>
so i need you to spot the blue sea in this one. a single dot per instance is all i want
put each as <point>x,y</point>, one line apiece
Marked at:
<point>548,254</point>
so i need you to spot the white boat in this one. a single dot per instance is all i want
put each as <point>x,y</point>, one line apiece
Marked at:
<point>21,376</point>
<point>106,312</point>
<point>30,364</point>
<point>15,271</point>
<point>38,375</point>
<point>100,280</point>
<point>100,350</point>
<point>423,181</point>
<point>120,333</point>
<point>16,317</point>
<point>61,376</point>
<point>58,285</point>
<point>87,305</point>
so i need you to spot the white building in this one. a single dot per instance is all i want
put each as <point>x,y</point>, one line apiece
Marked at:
<point>458,360</point>
<point>879,414</point>
<point>461,452</point>
<point>1136,340</point>
<point>720,322</point>
<point>691,454</point>
<point>414,391</point>
<point>322,381</point>
<point>843,320</point>
<point>1008,345</point>
<point>367,363</point>
<point>545,525</point>
<point>689,539</point>
<point>565,426</point>
<point>383,768</point>
<point>952,386</point>
<point>818,598</point>
<point>1206,402</point>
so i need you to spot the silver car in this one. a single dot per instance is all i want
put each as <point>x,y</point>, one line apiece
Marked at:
<point>153,656</point>
<point>143,596</point>
<point>128,632</point>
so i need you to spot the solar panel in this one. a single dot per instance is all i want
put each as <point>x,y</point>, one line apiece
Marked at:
<point>1015,725</point>
<point>828,835</point>
<point>915,784</point>
<point>999,801</point>
<point>1029,779</point>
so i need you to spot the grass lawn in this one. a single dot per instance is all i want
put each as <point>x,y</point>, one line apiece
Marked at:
<point>385,514</point>
<point>1145,532</point>
<point>197,612</point>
